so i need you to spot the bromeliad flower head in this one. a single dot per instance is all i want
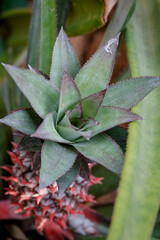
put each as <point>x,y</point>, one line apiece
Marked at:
<point>49,204</point>
<point>73,108</point>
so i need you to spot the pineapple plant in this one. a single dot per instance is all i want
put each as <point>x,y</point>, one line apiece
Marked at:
<point>64,132</point>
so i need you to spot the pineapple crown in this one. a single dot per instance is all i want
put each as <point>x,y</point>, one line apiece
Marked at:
<point>72,116</point>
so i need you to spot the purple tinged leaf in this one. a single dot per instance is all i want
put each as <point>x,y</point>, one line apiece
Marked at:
<point>29,144</point>
<point>75,113</point>
<point>91,104</point>
<point>109,117</point>
<point>39,92</point>
<point>37,161</point>
<point>69,94</point>
<point>64,58</point>
<point>84,170</point>
<point>48,131</point>
<point>103,150</point>
<point>128,93</point>
<point>35,70</point>
<point>67,179</point>
<point>56,160</point>
<point>25,120</point>
<point>96,73</point>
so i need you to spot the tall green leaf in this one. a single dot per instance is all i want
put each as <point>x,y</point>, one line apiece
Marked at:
<point>48,34</point>
<point>139,194</point>
<point>34,35</point>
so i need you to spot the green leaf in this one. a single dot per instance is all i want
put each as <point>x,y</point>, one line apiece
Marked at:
<point>96,73</point>
<point>66,180</point>
<point>48,131</point>
<point>48,34</point>
<point>15,22</point>
<point>56,159</point>
<point>25,121</point>
<point>109,117</point>
<point>102,149</point>
<point>138,201</point>
<point>109,183</point>
<point>69,95</point>
<point>119,134</point>
<point>91,104</point>
<point>29,144</point>
<point>39,92</point>
<point>34,35</point>
<point>64,58</point>
<point>84,16</point>
<point>128,93</point>
<point>123,12</point>
<point>62,7</point>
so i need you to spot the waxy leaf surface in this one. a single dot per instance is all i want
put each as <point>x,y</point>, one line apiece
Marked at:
<point>69,94</point>
<point>48,131</point>
<point>91,104</point>
<point>41,95</point>
<point>109,117</point>
<point>64,58</point>
<point>96,73</point>
<point>56,159</point>
<point>25,120</point>
<point>128,93</point>
<point>102,149</point>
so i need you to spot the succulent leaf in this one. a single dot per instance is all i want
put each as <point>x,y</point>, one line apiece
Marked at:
<point>69,94</point>
<point>102,149</point>
<point>128,93</point>
<point>95,75</point>
<point>64,58</point>
<point>25,120</point>
<point>48,131</point>
<point>109,117</point>
<point>56,160</point>
<point>66,180</point>
<point>29,144</point>
<point>35,70</point>
<point>39,92</point>
<point>91,104</point>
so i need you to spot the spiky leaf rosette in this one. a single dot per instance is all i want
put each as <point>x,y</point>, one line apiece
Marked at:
<point>48,204</point>
<point>71,116</point>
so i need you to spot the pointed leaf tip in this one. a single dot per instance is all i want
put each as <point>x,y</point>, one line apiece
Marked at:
<point>40,93</point>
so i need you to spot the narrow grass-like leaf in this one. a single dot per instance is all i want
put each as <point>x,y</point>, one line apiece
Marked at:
<point>42,96</point>
<point>48,131</point>
<point>97,71</point>
<point>64,58</point>
<point>69,94</point>
<point>128,93</point>
<point>109,117</point>
<point>91,104</point>
<point>56,159</point>
<point>48,34</point>
<point>138,200</point>
<point>66,180</point>
<point>25,121</point>
<point>34,35</point>
<point>123,12</point>
<point>102,149</point>
<point>62,7</point>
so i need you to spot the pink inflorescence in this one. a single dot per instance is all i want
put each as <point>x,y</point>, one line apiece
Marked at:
<point>48,203</point>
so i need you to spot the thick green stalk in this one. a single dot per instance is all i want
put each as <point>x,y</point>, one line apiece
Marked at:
<point>139,194</point>
<point>48,34</point>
